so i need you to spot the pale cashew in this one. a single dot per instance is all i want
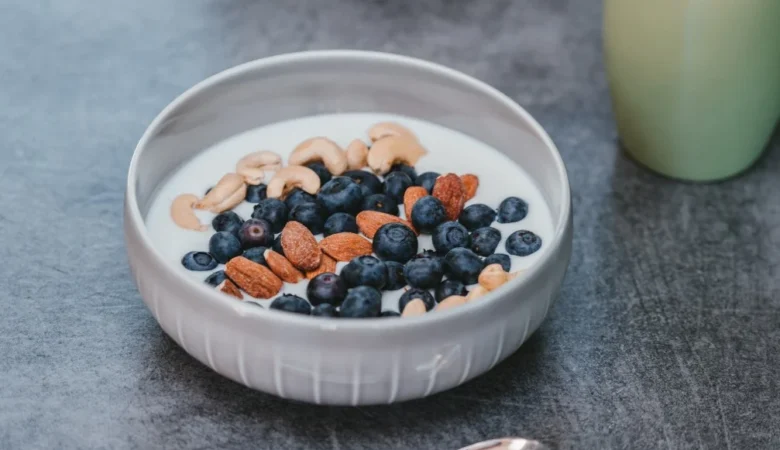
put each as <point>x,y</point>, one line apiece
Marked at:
<point>229,192</point>
<point>253,166</point>
<point>476,293</point>
<point>385,129</point>
<point>357,151</point>
<point>320,149</point>
<point>393,150</point>
<point>492,277</point>
<point>414,308</point>
<point>183,214</point>
<point>451,302</point>
<point>290,177</point>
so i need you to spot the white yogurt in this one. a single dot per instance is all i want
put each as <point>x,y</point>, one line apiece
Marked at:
<point>449,151</point>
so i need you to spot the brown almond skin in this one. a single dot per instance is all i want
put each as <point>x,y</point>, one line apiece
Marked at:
<point>470,185</point>
<point>255,279</point>
<point>369,222</point>
<point>282,267</point>
<point>328,264</point>
<point>345,246</point>
<point>230,288</point>
<point>300,247</point>
<point>449,190</point>
<point>412,194</point>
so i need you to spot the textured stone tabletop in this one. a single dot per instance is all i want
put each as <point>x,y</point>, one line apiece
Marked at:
<point>666,333</point>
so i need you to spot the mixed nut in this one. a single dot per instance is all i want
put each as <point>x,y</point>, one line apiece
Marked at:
<point>325,190</point>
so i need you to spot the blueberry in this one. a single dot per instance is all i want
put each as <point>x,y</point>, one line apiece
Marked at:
<point>427,180</point>
<point>485,240</point>
<point>368,182</point>
<point>255,193</point>
<point>256,233</point>
<point>277,246</point>
<point>224,246</point>
<point>381,203</point>
<point>227,221</point>
<point>216,278</point>
<point>499,258</point>
<point>477,216</point>
<point>340,223</point>
<point>405,168</point>
<point>256,254</point>
<point>198,261</point>
<point>424,271</point>
<point>396,184</point>
<point>464,265</point>
<point>448,288</point>
<point>428,213</point>
<point>311,215</point>
<point>326,288</point>
<point>395,276</point>
<point>321,171</point>
<point>298,196</point>
<point>272,210</point>
<point>389,314</point>
<point>341,194</point>
<point>414,294</point>
<point>523,243</point>
<point>362,301</point>
<point>365,271</point>
<point>291,303</point>
<point>450,235</point>
<point>395,242</point>
<point>512,209</point>
<point>324,310</point>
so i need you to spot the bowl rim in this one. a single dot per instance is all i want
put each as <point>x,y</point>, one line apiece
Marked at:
<point>242,309</point>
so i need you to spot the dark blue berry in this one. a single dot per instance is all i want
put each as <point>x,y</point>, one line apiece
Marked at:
<point>256,254</point>
<point>381,203</point>
<point>227,221</point>
<point>216,278</point>
<point>277,246</point>
<point>477,216</point>
<point>224,246</point>
<point>389,314</point>
<point>324,310</point>
<point>405,168</point>
<point>395,276</point>
<point>485,240</point>
<point>256,233</point>
<point>427,214</point>
<point>464,265</point>
<point>427,180</point>
<point>321,171</point>
<point>414,294</point>
<point>395,242</point>
<point>326,288</point>
<point>298,196</point>
<point>450,235</point>
<point>255,193</point>
<point>362,301</point>
<point>424,271</point>
<point>311,215</point>
<point>512,209</point>
<point>523,243</point>
<point>340,223</point>
<point>198,261</point>
<point>341,194</point>
<point>291,303</point>
<point>499,258</point>
<point>368,182</point>
<point>449,288</point>
<point>396,184</point>
<point>365,271</point>
<point>272,210</point>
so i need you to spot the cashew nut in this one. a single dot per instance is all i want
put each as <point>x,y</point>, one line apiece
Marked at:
<point>392,150</point>
<point>385,129</point>
<point>414,308</point>
<point>476,293</point>
<point>320,149</point>
<point>253,166</point>
<point>291,177</point>
<point>229,192</point>
<point>183,214</point>
<point>492,277</point>
<point>451,302</point>
<point>357,151</point>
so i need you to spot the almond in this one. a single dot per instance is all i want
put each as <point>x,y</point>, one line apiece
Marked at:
<point>282,267</point>
<point>230,288</point>
<point>414,308</point>
<point>411,196</point>
<point>255,279</point>
<point>470,184</point>
<point>369,222</point>
<point>450,302</point>
<point>345,246</point>
<point>449,190</point>
<point>328,264</point>
<point>300,246</point>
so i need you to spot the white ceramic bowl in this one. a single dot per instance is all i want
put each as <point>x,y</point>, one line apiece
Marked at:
<point>355,361</point>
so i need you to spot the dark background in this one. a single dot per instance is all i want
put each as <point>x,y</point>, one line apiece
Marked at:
<point>665,335</point>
